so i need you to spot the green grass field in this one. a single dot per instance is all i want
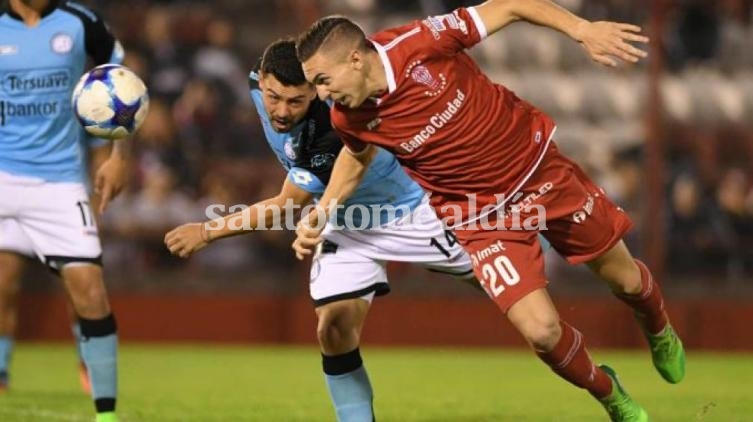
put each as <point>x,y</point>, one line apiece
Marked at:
<point>210,383</point>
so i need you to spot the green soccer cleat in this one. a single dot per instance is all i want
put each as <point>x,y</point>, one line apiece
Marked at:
<point>619,405</point>
<point>668,354</point>
<point>107,417</point>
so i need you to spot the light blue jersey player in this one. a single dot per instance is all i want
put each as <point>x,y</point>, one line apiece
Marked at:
<point>349,269</point>
<point>45,207</point>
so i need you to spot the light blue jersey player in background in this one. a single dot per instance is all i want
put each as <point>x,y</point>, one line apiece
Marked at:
<point>349,269</point>
<point>44,205</point>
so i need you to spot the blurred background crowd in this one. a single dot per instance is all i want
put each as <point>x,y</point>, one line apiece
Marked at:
<point>202,142</point>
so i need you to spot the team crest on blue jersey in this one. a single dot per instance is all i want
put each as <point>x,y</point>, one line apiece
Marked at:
<point>290,151</point>
<point>61,43</point>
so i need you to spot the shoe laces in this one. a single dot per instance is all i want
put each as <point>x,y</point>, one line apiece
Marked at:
<point>619,408</point>
<point>665,344</point>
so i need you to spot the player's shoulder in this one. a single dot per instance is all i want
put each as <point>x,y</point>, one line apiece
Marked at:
<point>337,115</point>
<point>317,133</point>
<point>84,13</point>
<point>253,76</point>
<point>320,112</point>
<point>342,119</point>
<point>353,120</point>
<point>404,36</point>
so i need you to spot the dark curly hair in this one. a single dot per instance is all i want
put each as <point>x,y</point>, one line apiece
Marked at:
<point>280,60</point>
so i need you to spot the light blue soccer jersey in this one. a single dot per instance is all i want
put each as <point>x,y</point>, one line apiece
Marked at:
<point>308,153</point>
<point>39,67</point>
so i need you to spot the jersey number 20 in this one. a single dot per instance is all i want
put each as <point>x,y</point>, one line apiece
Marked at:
<point>501,269</point>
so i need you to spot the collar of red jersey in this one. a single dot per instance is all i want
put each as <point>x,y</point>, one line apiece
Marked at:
<point>388,71</point>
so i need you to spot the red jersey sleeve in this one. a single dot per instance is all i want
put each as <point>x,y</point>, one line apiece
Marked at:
<point>455,31</point>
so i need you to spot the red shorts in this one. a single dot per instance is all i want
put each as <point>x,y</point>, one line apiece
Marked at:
<point>580,222</point>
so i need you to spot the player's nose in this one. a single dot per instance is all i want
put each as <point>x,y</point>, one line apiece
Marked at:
<point>282,110</point>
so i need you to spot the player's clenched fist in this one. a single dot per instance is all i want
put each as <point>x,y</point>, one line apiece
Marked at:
<point>605,41</point>
<point>184,240</point>
<point>308,235</point>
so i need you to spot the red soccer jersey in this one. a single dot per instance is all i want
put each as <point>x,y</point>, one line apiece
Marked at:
<point>454,131</point>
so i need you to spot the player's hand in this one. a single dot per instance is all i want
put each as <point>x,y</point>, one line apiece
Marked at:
<point>109,181</point>
<point>607,41</point>
<point>187,239</point>
<point>308,235</point>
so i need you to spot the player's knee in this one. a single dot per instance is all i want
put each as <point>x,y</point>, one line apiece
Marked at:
<point>618,268</point>
<point>542,333</point>
<point>89,297</point>
<point>91,305</point>
<point>622,277</point>
<point>335,330</point>
<point>328,337</point>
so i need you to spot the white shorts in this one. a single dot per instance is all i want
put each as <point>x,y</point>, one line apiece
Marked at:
<point>50,220</point>
<point>352,263</point>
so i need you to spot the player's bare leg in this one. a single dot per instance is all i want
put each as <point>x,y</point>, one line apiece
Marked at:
<point>339,333</point>
<point>11,268</point>
<point>632,282</point>
<point>86,288</point>
<point>562,347</point>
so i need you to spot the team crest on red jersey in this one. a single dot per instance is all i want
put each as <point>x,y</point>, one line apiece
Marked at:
<point>422,75</point>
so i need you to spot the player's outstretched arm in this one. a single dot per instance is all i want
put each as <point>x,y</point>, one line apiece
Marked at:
<point>603,41</point>
<point>347,173</point>
<point>185,240</point>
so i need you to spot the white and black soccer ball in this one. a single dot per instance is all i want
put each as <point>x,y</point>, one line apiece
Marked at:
<point>110,101</point>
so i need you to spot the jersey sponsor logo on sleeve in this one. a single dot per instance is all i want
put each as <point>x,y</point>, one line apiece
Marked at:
<point>436,24</point>
<point>61,43</point>
<point>7,50</point>
<point>456,22</point>
<point>302,177</point>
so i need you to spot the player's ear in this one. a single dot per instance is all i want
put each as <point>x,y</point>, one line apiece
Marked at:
<point>356,59</point>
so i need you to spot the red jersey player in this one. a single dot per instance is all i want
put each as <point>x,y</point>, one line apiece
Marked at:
<point>489,161</point>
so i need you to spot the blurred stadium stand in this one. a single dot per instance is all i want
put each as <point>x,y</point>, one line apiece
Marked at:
<point>202,143</point>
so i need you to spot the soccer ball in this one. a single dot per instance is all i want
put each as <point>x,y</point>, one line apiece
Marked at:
<point>110,101</point>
